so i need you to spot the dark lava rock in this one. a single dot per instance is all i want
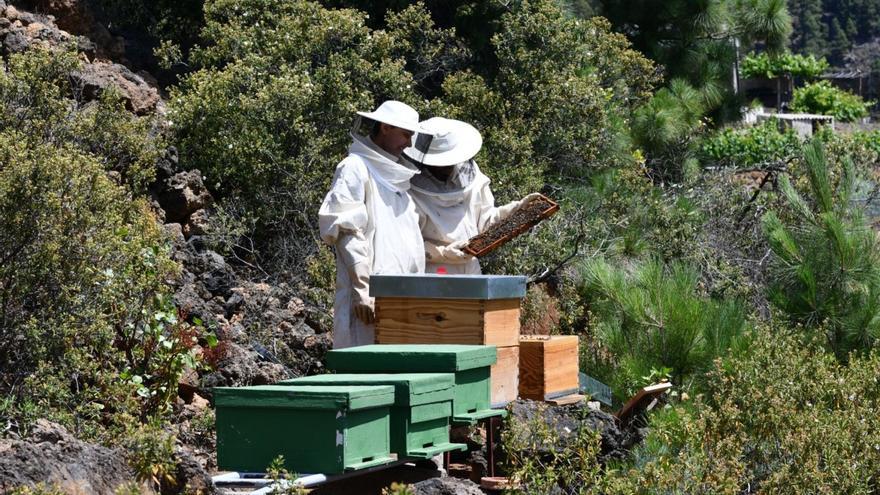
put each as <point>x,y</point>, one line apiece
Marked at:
<point>567,420</point>
<point>182,194</point>
<point>55,457</point>
<point>446,486</point>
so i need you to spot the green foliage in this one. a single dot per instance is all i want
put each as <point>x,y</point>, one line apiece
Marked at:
<point>757,145</point>
<point>693,39</point>
<point>823,98</point>
<point>89,336</point>
<point>783,418</point>
<point>36,98</point>
<point>786,64</point>
<point>276,471</point>
<point>652,317</point>
<point>666,128</point>
<point>825,265</point>
<point>150,453</point>
<point>542,462</point>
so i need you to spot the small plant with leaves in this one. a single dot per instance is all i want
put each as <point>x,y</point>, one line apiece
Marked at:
<point>823,98</point>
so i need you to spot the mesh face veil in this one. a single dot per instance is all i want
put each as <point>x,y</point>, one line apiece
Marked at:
<point>422,144</point>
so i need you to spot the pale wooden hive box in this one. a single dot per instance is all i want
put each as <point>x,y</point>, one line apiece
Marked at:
<point>455,309</point>
<point>548,366</point>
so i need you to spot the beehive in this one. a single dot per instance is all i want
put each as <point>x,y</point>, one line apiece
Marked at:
<point>469,363</point>
<point>318,429</point>
<point>454,309</point>
<point>548,366</point>
<point>421,412</point>
<point>505,376</point>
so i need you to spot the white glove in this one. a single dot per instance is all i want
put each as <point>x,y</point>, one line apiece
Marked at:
<point>510,208</point>
<point>361,302</point>
<point>449,253</point>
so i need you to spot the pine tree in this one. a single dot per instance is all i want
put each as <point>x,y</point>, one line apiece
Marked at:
<point>840,43</point>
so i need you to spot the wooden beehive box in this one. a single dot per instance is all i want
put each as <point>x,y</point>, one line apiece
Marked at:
<point>421,413</point>
<point>455,309</point>
<point>318,429</point>
<point>447,309</point>
<point>469,363</point>
<point>548,366</point>
<point>505,376</point>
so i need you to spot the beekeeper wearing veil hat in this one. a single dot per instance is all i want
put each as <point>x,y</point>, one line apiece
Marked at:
<point>452,196</point>
<point>369,218</point>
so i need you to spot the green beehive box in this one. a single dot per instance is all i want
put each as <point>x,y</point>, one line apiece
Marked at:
<point>421,412</point>
<point>469,363</point>
<point>324,429</point>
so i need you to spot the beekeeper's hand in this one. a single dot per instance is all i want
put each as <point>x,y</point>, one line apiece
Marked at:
<point>510,208</point>
<point>448,253</point>
<point>361,302</point>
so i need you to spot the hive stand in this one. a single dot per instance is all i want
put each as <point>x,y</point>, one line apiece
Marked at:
<point>548,366</point>
<point>455,309</point>
<point>318,429</point>
<point>469,363</point>
<point>421,412</point>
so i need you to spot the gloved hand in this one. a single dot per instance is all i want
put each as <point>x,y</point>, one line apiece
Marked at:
<point>361,302</point>
<point>353,250</point>
<point>509,209</point>
<point>449,253</point>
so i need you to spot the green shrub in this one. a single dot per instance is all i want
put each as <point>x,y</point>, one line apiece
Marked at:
<point>825,270</point>
<point>759,145</point>
<point>783,418</point>
<point>89,337</point>
<point>542,463</point>
<point>823,98</point>
<point>651,317</point>
<point>785,64</point>
<point>36,99</point>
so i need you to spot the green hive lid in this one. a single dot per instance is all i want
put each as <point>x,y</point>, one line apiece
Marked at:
<point>346,397</point>
<point>411,357</point>
<point>409,388</point>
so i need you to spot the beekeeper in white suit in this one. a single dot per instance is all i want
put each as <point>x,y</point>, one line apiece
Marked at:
<point>452,196</point>
<point>369,218</point>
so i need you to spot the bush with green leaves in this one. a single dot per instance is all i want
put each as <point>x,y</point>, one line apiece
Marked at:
<point>36,98</point>
<point>90,337</point>
<point>826,258</point>
<point>756,146</point>
<point>651,317</point>
<point>542,463</point>
<point>824,99</point>
<point>786,417</point>
<point>785,64</point>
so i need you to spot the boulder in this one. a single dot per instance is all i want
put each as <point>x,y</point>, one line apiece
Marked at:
<point>567,420</point>
<point>182,194</point>
<point>446,486</point>
<point>95,78</point>
<point>53,456</point>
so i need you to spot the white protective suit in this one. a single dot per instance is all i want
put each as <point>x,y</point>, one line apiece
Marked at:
<point>370,218</point>
<point>455,210</point>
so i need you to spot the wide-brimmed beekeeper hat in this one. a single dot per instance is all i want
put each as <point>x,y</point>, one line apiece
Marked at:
<point>445,142</point>
<point>395,113</point>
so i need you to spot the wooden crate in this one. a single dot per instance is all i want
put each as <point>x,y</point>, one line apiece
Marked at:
<point>447,321</point>
<point>548,366</point>
<point>505,376</point>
